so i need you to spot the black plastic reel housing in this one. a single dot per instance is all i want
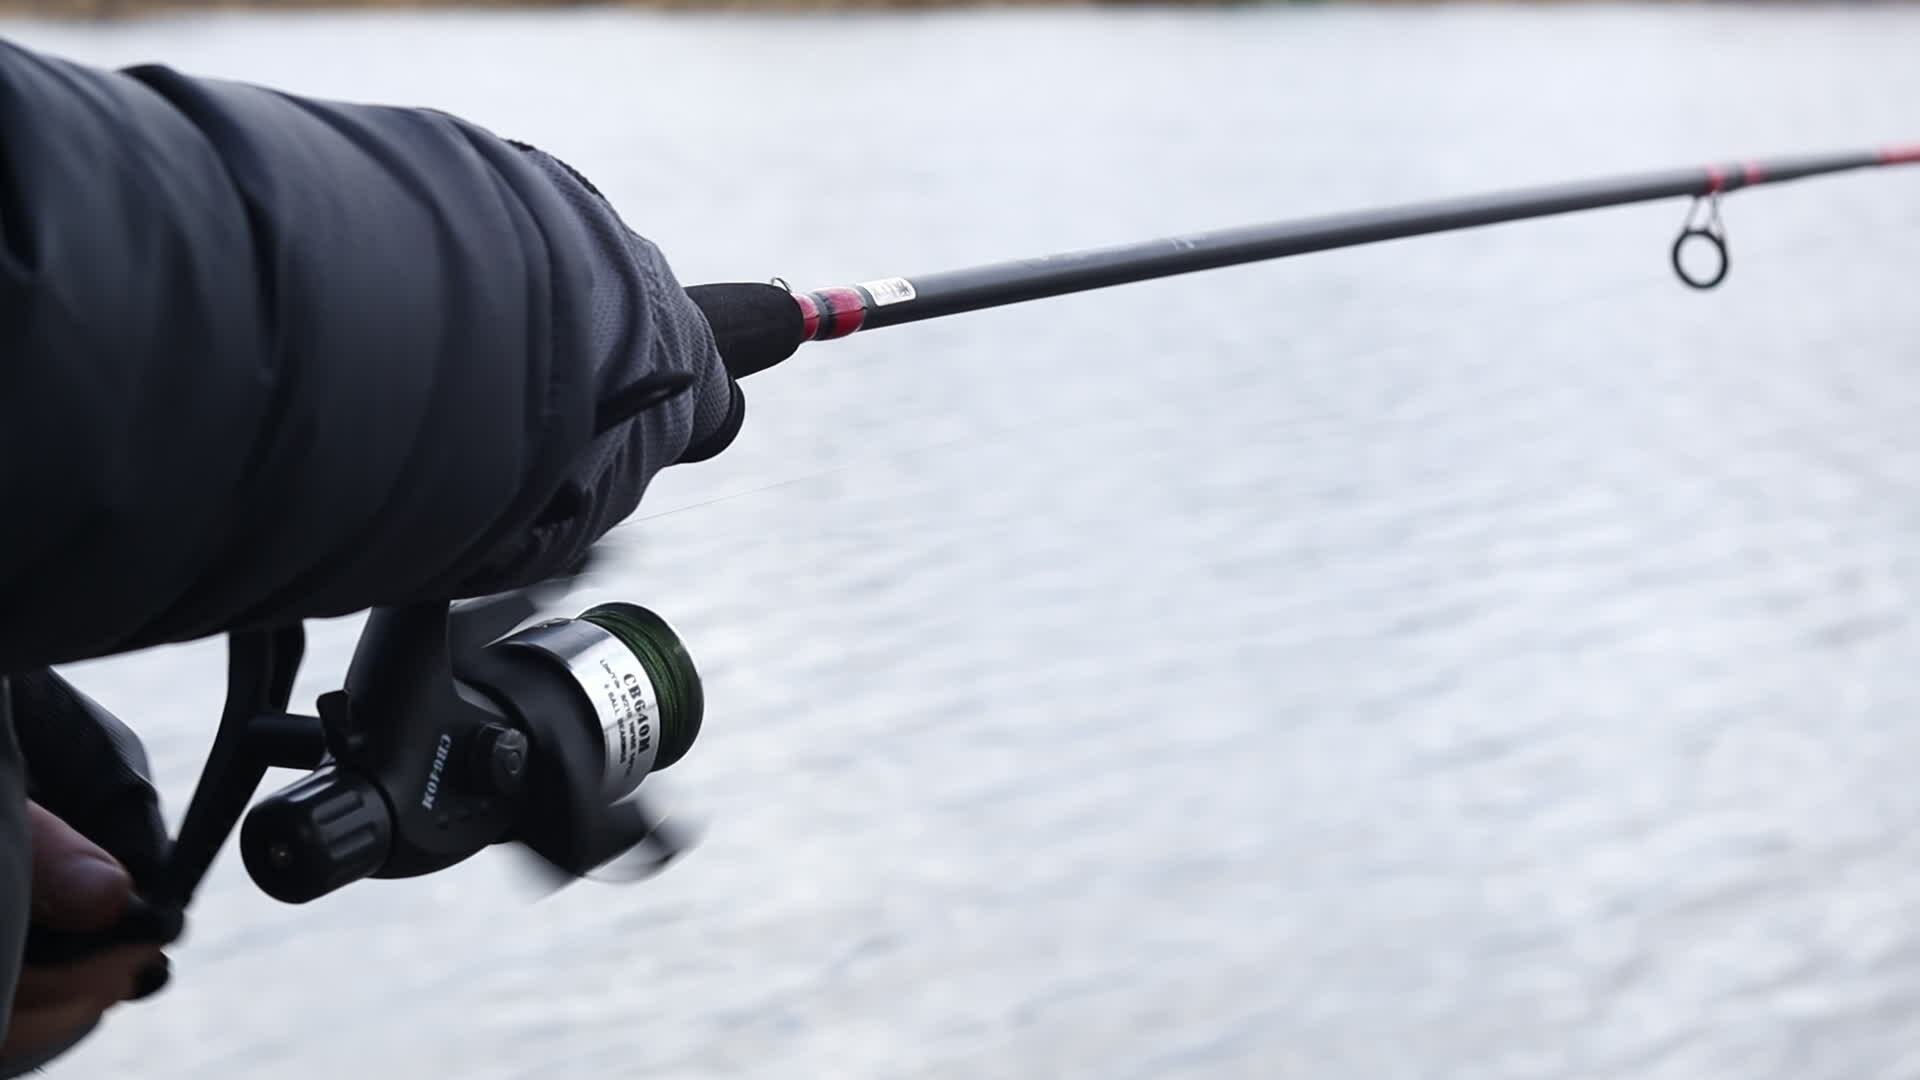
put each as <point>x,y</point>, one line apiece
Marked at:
<point>448,739</point>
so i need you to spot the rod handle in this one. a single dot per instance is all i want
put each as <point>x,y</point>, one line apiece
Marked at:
<point>754,325</point>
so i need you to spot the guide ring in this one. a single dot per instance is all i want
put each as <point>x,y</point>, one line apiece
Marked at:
<point>1703,221</point>
<point>1719,245</point>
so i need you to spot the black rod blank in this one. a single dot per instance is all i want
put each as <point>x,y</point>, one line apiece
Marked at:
<point>756,325</point>
<point>836,312</point>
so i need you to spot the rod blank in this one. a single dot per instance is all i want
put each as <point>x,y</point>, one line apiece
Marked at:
<point>836,312</point>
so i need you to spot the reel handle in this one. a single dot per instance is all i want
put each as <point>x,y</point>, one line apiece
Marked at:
<point>143,923</point>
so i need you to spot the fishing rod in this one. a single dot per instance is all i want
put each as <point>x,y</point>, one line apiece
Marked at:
<point>756,329</point>
<point>465,725</point>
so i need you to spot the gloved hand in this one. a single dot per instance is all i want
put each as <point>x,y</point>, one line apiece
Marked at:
<point>665,395</point>
<point>98,840</point>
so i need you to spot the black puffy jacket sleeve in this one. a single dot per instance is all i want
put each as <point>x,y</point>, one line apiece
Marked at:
<point>265,357</point>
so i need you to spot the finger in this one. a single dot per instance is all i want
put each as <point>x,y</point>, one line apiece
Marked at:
<point>33,1031</point>
<point>113,975</point>
<point>76,884</point>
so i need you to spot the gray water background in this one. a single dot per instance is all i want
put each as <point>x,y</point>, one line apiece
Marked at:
<point>1475,656</point>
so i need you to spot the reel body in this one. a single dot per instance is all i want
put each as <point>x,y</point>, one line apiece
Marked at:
<point>447,738</point>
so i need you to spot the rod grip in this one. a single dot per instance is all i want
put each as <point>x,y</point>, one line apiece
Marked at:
<point>754,325</point>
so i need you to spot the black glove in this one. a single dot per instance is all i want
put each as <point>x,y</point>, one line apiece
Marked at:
<point>89,770</point>
<point>665,395</point>
<point>86,768</point>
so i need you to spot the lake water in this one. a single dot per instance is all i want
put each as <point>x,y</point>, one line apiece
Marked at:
<point>1475,656</point>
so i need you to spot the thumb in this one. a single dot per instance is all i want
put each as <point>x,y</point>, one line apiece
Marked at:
<point>76,884</point>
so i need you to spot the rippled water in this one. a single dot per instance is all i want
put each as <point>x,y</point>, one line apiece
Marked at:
<point>1475,656</point>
